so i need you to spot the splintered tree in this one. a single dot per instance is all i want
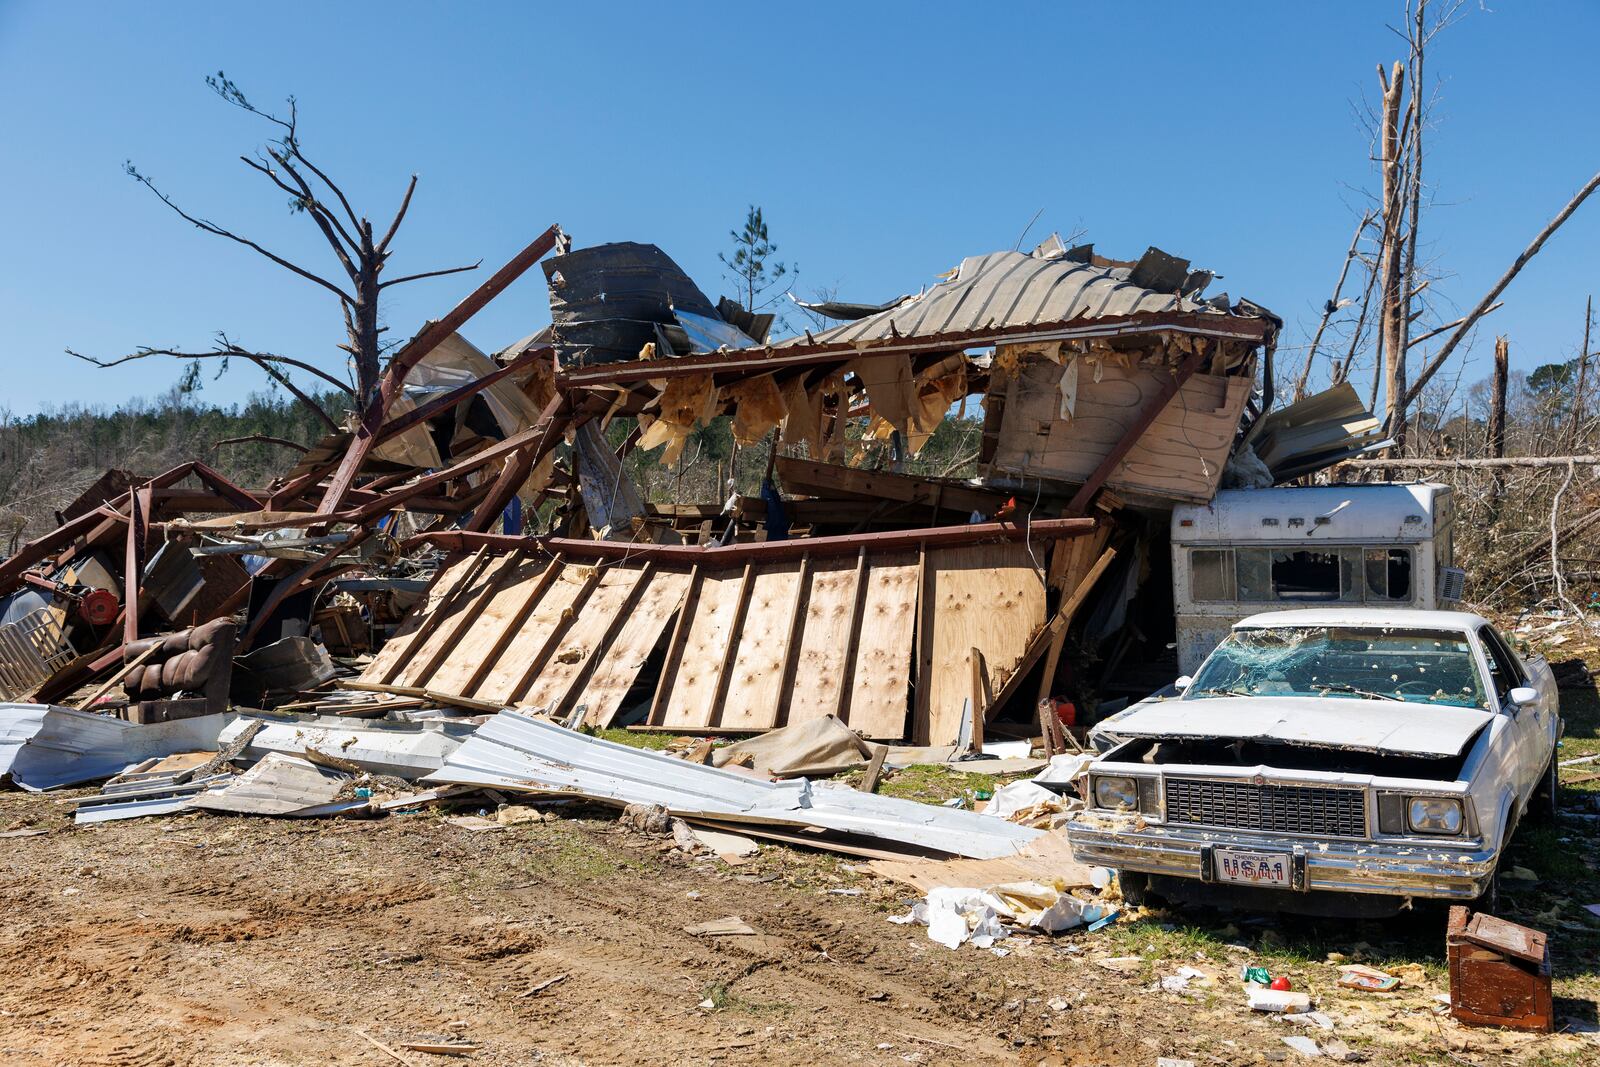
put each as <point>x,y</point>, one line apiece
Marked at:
<point>360,251</point>
<point>752,265</point>
<point>1394,313</point>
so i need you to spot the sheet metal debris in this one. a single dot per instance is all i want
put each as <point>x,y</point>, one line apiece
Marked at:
<point>517,751</point>
<point>46,747</point>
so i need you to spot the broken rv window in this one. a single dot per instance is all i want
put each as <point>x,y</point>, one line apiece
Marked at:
<point>1349,575</point>
<point>1417,666</point>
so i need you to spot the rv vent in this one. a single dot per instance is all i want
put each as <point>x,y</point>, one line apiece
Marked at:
<point>1452,583</point>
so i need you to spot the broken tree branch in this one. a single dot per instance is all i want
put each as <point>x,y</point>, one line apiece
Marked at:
<point>213,228</point>
<point>1437,360</point>
<point>261,438</point>
<point>224,350</point>
<point>429,274</point>
<point>405,203</point>
<point>1436,331</point>
<point>1331,307</point>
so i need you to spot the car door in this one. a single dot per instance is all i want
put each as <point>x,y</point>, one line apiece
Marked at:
<point>1529,725</point>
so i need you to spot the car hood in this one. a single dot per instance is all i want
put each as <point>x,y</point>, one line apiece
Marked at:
<point>1334,722</point>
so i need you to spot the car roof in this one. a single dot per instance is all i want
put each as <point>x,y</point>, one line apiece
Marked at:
<point>1403,618</point>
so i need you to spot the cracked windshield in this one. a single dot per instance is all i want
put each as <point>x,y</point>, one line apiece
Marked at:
<point>1418,666</point>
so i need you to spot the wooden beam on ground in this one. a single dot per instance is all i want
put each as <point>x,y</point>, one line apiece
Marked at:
<point>119,676</point>
<point>451,699</point>
<point>869,777</point>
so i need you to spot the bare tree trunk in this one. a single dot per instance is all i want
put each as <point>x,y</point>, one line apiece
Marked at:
<point>1412,215</point>
<point>1393,304</point>
<point>1497,417</point>
<point>1577,412</point>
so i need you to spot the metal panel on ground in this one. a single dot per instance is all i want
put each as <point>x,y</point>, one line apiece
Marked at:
<point>516,751</point>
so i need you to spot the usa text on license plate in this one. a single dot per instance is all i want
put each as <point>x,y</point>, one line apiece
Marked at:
<point>1252,868</point>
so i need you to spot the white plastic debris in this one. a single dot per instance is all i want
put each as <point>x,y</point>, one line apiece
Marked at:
<point>1064,768</point>
<point>1305,1046</point>
<point>1018,796</point>
<point>1179,983</point>
<point>955,916</point>
<point>1287,1001</point>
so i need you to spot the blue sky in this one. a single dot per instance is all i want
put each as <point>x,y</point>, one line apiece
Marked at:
<point>885,141</point>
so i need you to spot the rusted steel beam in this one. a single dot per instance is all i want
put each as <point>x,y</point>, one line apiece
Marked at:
<point>763,551</point>
<point>401,423</point>
<point>133,563</point>
<point>294,583</point>
<point>765,360</point>
<point>431,336</point>
<point>535,436</point>
<point>520,464</point>
<point>1147,417</point>
<point>238,497</point>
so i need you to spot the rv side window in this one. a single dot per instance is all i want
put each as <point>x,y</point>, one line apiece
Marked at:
<point>1211,573</point>
<point>1388,574</point>
<point>1254,573</point>
<point>1306,575</point>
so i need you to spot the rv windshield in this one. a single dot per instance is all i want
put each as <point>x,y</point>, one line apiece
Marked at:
<point>1362,663</point>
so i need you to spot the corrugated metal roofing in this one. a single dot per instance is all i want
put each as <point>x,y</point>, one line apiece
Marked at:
<point>1012,289</point>
<point>516,751</point>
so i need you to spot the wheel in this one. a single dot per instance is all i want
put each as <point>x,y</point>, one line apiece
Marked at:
<point>1545,803</point>
<point>1135,886</point>
<point>1489,899</point>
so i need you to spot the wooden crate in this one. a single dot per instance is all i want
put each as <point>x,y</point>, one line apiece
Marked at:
<point>1499,972</point>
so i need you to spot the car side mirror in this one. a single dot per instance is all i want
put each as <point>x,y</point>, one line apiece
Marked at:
<point>1184,681</point>
<point>1522,695</point>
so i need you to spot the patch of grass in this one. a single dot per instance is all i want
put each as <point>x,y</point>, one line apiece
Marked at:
<point>724,998</point>
<point>568,851</point>
<point>636,738</point>
<point>936,783</point>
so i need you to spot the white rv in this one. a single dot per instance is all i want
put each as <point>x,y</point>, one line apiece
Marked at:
<point>1254,550</point>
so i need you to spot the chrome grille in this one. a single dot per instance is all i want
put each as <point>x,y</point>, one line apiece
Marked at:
<point>1284,809</point>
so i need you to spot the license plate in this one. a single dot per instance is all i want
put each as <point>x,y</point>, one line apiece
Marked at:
<point>1252,868</point>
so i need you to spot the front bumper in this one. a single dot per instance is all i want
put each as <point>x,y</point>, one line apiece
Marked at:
<point>1128,843</point>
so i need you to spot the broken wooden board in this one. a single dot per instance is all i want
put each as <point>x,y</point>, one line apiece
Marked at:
<point>749,646</point>
<point>985,597</point>
<point>1180,457</point>
<point>1047,859</point>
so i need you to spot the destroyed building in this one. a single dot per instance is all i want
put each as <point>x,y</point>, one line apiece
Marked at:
<point>472,541</point>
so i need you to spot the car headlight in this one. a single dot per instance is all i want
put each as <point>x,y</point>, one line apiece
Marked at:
<point>1115,791</point>
<point>1434,815</point>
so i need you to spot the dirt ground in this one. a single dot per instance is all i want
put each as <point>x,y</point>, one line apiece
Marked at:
<point>212,940</point>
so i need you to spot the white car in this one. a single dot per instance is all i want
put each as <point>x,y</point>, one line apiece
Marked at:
<point>1376,755</point>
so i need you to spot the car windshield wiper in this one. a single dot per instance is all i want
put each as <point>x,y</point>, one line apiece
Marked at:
<point>1231,690</point>
<point>1341,687</point>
